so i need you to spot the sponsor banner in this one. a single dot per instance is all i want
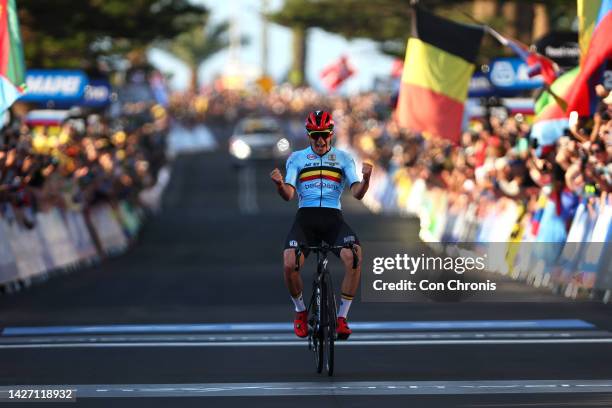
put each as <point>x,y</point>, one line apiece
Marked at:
<point>97,93</point>
<point>560,46</point>
<point>46,85</point>
<point>511,74</point>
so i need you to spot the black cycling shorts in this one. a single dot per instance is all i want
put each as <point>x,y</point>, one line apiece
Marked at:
<point>315,224</point>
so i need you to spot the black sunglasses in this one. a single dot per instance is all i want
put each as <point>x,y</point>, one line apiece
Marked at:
<point>316,134</point>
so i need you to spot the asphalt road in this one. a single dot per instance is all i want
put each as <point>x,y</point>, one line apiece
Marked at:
<point>196,314</point>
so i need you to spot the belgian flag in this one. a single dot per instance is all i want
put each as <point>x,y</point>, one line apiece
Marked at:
<point>437,70</point>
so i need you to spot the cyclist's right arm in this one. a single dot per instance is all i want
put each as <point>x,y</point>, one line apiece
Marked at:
<point>286,189</point>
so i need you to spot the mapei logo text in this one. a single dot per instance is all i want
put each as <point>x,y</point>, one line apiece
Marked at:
<point>64,85</point>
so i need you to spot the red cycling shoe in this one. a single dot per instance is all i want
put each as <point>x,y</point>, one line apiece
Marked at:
<point>300,324</point>
<point>342,329</point>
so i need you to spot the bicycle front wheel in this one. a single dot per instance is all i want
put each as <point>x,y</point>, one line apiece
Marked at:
<point>330,326</point>
<point>318,334</point>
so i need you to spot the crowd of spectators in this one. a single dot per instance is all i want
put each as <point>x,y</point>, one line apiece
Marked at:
<point>496,158</point>
<point>86,158</point>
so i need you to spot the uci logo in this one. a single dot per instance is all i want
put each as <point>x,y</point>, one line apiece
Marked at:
<point>293,244</point>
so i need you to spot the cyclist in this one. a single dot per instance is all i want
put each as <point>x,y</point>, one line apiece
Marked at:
<point>319,174</point>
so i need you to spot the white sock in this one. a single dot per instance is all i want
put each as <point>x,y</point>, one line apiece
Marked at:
<point>298,301</point>
<point>345,305</point>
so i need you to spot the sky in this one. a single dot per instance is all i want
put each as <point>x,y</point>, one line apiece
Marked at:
<point>363,54</point>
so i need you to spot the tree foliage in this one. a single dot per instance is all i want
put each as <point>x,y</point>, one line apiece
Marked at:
<point>68,33</point>
<point>388,21</point>
<point>197,45</point>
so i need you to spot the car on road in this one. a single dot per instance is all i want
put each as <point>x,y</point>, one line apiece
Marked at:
<point>259,138</point>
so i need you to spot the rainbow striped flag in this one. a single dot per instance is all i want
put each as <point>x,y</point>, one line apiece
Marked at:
<point>595,36</point>
<point>546,107</point>
<point>12,65</point>
<point>551,120</point>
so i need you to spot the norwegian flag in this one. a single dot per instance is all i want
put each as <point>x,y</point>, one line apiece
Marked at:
<point>537,63</point>
<point>335,74</point>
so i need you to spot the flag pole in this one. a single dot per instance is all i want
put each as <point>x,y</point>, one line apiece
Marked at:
<point>504,41</point>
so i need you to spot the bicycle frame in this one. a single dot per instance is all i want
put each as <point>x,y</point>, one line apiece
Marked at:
<point>322,308</point>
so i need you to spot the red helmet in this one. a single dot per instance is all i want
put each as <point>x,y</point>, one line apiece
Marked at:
<point>319,120</point>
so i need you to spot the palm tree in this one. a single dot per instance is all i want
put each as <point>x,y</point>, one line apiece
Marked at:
<point>195,46</point>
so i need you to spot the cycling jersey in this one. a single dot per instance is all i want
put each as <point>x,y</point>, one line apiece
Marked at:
<point>320,180</point>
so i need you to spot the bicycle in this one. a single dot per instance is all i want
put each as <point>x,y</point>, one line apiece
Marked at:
<point>322,307</point>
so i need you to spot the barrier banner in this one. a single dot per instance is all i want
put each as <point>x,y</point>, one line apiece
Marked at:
<point>27,249</point>
<point>152,197</point>
<point>8,265</point>
<point>433,215</point>
<point>529,245</point>
<point>56,238</point>
<point>108,229</point>
<point>129,218</point>
<point>415,198</point>
<point>403,185</point>
<point>596,260</point>
<point>574,247</point>
<point>389,195</point>
<point>604,277</point>
<point>79,235</point>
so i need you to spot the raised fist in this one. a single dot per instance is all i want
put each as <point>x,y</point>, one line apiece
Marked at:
<point>276,177</point>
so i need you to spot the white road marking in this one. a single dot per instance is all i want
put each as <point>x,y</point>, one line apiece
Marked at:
<point>258,337</point>
<point>278,327</point>
<point>337,389</point>
<point>301,343</point>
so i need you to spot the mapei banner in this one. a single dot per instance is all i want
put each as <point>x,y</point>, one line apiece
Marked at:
<point>61,86</point>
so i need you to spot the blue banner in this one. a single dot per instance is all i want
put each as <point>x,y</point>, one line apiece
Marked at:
<point>97,93</point>
<point>510,74</point>
<point>480,86</point>
<point>64,86</point>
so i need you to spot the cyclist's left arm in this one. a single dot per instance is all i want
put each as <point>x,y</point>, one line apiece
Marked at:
<point>358,188</point>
